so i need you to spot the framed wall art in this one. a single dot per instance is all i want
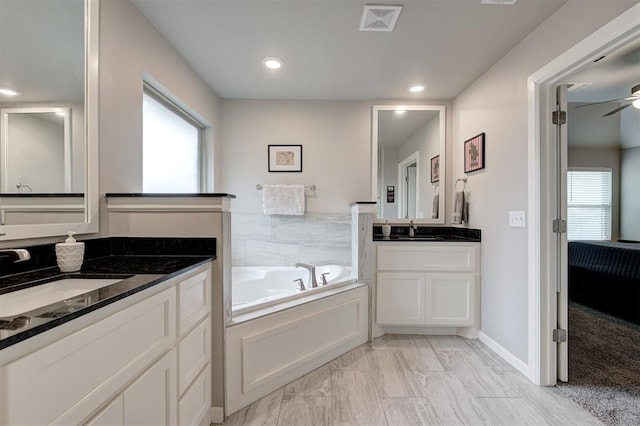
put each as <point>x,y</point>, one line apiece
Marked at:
<point>285,158</point>
<point>435,169</point>
<point>474,154</point>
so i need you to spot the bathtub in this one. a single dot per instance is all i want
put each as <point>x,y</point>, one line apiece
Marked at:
<point>255,287</point>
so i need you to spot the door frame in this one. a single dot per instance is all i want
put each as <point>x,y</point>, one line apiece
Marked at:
<point>403,185</point>
<point>542,356</point>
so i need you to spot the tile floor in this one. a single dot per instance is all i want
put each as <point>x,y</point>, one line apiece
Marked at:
<point>414,380</point>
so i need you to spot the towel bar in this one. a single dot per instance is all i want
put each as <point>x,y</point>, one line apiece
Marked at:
<point>310,187</point>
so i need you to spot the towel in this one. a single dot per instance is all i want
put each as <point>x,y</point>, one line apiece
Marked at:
<point>460,207</point>
<point>436,206</point>
<point>283,199</point>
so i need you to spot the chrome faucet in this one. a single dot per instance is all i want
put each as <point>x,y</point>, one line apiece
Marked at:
<point>412,228</point>
<point>15,255</point>
<point>312,272</point>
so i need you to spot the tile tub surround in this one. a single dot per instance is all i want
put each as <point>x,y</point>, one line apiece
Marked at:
<point>449,233</point>
<point>141,262</point>
<point>316,238</point>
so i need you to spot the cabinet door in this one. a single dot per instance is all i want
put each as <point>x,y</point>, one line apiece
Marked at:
<point>111,415</point>
<point>152,398</point>
<point>450,299</point>
<point>400,298</point>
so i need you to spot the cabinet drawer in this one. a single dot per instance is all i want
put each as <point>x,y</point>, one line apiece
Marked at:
<point>440,257</point>
<point>193,408</point>
<point>194,352</point>
<point>91,365</point>
<point>194,300</point>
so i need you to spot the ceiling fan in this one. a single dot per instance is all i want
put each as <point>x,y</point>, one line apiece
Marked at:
<point>634,100</point>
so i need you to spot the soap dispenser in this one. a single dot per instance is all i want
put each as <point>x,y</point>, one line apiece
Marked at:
<point>70,254</point>
<point>386,229</point>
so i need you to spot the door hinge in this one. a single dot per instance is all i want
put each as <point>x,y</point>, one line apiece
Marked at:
<point>559,226</point>
<point>559,335</point>
<point>559,117</point>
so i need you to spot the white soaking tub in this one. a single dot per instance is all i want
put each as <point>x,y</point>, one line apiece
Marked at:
<point>255,287</point>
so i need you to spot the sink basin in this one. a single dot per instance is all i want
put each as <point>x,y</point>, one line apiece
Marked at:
<point>28,299</point>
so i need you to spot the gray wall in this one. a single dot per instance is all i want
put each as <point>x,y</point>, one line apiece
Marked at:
<point>496,104</point>
<point>630,194</point>
<point>130,48</point>
<point>607,158</point>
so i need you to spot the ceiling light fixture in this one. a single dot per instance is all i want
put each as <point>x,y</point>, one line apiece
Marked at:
<point>272,63</point>
<point>417,88</point>
<point>636,104</point>
<point>400,110</point>
<point>8,91</point>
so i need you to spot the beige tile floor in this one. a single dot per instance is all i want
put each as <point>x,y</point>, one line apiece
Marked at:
<point>414,380</point>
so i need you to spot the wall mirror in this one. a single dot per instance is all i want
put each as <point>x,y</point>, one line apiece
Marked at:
<point>48,125</point>
<point>408,162</point>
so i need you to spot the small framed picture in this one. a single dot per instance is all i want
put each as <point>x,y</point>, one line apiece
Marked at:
<point>474,153</point>
<point>285,158</point>
<point>435,169</point>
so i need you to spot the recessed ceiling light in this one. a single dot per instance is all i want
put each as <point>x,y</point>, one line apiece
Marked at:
<point>416,88</point>
<point>272,63</point>
<point>8,92</point>
<point>400,110</point>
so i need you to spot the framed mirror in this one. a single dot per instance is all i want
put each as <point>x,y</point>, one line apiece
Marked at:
<point>408,162</point>
<point>48,118</point>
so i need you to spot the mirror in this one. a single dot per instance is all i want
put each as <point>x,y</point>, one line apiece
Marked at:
<point>408,162</point>
<point>48,131</point>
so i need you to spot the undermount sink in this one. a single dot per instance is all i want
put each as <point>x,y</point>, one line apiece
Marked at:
<point>18,302</point>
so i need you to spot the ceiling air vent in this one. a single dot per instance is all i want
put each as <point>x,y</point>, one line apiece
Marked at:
<point>378,17</point>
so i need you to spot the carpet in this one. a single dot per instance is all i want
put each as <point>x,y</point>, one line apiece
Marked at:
<point>604,366</point>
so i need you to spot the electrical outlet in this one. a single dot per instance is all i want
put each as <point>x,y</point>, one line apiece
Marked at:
<point>517,219</point>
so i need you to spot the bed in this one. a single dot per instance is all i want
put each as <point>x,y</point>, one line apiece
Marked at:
<point>606,277</point>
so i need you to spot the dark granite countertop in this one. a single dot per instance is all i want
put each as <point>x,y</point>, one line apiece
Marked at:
<point>428,234</point>
<point>122,261</point>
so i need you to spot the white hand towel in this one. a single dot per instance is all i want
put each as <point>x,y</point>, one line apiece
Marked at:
<point>436,206</point>
<point>283,199</point>
<point>458,208</point>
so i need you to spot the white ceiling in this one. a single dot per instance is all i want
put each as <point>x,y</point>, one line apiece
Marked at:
<point>446,44</point>
<point>394,129</point>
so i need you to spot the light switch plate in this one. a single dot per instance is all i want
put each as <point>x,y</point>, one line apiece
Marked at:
<point>517,219</point>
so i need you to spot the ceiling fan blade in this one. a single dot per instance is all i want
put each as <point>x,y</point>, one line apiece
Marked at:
<point>616,110</point>
<point>603,102</point>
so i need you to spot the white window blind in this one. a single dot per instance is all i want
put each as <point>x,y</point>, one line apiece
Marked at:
<point>171,147</point>
<point>589,205</point>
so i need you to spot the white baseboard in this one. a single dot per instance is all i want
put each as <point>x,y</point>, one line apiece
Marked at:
<point>217,415</point>
<point>516,362</point>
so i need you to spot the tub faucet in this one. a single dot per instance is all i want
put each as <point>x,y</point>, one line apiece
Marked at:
<point>312,272</point>
<point>15,255</point>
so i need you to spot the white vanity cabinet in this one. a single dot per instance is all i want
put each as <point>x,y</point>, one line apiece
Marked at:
<point>139,365</point>
<point>428,284</point>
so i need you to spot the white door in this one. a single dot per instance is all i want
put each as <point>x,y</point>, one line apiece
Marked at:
<point>562,259</point>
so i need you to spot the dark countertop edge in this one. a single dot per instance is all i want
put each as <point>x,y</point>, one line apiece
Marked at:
<point>19,337</point>
<point>357,203</point>
<point>173,195</point>
<point>379,238</point>
<point>42,195</point>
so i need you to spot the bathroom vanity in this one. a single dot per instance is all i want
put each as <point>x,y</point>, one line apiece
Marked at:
<point>429,281</point>
<point>139,352</point>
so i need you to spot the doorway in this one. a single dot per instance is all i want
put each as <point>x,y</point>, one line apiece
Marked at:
<point>545,258</point>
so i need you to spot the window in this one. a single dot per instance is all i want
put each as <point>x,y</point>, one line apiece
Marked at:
<point>589,204</point>
<point>172,147</point>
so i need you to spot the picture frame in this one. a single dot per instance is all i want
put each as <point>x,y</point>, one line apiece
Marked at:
<point>474,153</point>
<point>284,158</point>
<point>435,169</point>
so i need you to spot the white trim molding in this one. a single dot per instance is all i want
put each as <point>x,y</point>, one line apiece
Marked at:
<point>516,362</point>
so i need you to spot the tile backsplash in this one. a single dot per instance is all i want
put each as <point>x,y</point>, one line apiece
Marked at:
<point>316,238</point>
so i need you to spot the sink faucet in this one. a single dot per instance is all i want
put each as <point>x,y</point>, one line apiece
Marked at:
<point>15,255</point>
<point>412,228</point>
<point>312,272</point>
